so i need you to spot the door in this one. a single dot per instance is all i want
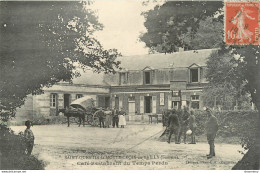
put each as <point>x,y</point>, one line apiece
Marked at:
<point>148,104</point>
<point>107,102</point>
<point>66,100</point>
<point>131,108</point>
<point>117,103</point>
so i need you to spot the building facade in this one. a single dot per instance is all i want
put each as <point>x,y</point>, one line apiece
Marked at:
<point>147,84</point>
<point>151,83</point>
<point>61,95</point>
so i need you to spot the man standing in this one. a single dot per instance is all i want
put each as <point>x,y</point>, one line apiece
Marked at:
<point>115,117</point>
<point>211,130</point>
<point>184,121</point>
<point>108,114</point>
<point>174,126</point>
<point>101,116</point>
<point>192,125</point>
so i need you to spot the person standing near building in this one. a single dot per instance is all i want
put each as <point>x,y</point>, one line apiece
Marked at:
<point>29,138</point>
<point>115,117</point>
<point>184,122</point>
<point>192,126</point>
<point>174,126</point>
<point>108,113</point>
<point>211,130</point>
<point>101,116</point>
<point>122,121</point>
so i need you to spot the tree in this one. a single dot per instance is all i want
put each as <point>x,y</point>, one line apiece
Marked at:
<point>225,87</point>
<point>247,70</point>
<point>175,23</point>
<point>43,43</point>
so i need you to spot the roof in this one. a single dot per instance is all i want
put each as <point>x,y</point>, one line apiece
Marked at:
<point>159,61</point>
<point>90,78</point>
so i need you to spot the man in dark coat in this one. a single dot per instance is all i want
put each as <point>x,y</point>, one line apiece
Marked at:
<point>184,122</point>
<point>211,130</point>
<point>174,126</point>
<point>115,117</point>
<point>101,116</point>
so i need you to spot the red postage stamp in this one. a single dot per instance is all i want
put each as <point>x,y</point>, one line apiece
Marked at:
<point>242,23</point>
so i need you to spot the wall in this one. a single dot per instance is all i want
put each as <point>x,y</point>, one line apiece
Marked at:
<point>39,105</point>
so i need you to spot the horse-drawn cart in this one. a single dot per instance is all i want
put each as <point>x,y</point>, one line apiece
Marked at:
<point>82,108</point>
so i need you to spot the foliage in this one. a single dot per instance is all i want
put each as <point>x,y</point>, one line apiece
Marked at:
<point>43,42</point>
<point>242,124</point>
<point>208,35</point>
<point>61,119</point>
<point>226,86</point>
<point>177,23</point>
<point>12,151</point>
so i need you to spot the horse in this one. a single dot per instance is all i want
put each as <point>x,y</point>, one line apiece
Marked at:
<point>74,113</point>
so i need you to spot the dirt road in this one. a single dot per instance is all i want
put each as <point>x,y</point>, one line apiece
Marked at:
<point>133,147</point>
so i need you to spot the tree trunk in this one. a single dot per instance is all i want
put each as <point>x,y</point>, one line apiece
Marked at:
<point>251,159</point>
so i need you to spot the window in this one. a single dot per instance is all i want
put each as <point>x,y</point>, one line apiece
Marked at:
<point>175,104</point>
<point>194,75</point>
<point>53,100</point>
<point>195,102</point>
<point>147,77</point>
<point>122,78</point>
<point>78,96</point>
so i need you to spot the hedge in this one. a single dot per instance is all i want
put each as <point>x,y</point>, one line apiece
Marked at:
<point>12,152</point>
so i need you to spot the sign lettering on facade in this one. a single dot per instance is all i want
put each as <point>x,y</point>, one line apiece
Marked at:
<point>161,99</point>
<point>176,99</point>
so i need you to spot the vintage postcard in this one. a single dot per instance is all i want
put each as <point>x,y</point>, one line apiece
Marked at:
<point>129,85</point>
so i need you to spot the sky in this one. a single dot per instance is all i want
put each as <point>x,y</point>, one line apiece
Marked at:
<point>123,24</point>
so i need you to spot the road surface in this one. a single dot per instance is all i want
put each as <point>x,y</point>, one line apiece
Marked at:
<point>133,147</point>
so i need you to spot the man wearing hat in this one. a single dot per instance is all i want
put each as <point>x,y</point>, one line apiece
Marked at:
<point>101,116</point>
<point>211,130</point>
<point>174,126</point>
<point>115,114</point>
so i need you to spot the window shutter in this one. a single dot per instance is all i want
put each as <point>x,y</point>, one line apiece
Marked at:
<point>169,101</point>
<point>113,102</point>
<point>120,103</point>
<point>198,74</point>
<point>50,100</point>
<point>154,104</point>
<point>141,104</point>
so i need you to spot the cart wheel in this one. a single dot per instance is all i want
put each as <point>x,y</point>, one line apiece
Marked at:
<point>95,121</point>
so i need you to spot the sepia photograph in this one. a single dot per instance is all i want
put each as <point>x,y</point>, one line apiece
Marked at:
<point>129,85</point>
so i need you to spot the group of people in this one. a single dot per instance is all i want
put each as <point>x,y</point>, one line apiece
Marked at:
<point>107,117</point>
<point>181,123</point>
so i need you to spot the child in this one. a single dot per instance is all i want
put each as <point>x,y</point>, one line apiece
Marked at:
<point>29,138</point>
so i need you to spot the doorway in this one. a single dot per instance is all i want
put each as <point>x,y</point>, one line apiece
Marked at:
<point>66,100</point>
<point>131,108</point>
<point>107,102</point>
<point>117,103</point>
<point>176,104</point>
<point>148,104</point>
